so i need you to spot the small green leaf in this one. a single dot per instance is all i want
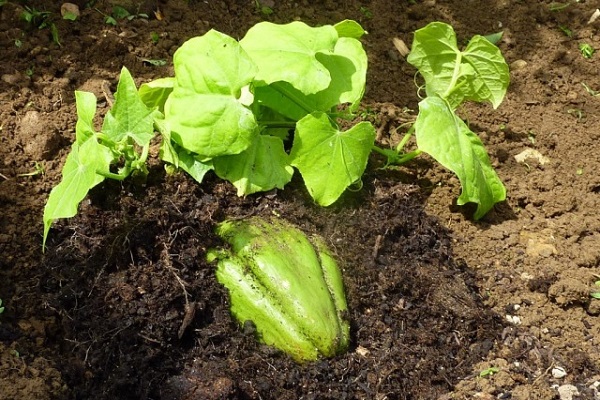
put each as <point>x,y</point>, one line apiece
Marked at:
<point>328,159</point>
<point>154,94</point>
<point>494,38</point>
<point>129,116</point>
<point>350,29</point>
<point>261,167</point>
<point>445,137</point>
<point>205,110</point>
<point>86,110</point>
<point>120,12</point>
<point>180,158</point>
<point>288,53</point>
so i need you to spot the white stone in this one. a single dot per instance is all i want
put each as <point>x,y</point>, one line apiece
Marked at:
<point>559,372</point>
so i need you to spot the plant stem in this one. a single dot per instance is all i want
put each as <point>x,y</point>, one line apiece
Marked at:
<point>111,175</point>
<point>455,76</point>
<point>278,124</point>
<point>405,139</point>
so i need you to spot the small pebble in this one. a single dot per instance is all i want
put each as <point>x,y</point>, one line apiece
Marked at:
<point>559,372</point>
<point>518,64</point>
<point>566,392</point>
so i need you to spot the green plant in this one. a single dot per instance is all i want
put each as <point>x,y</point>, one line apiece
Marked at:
<point>1,308</point>
<point>596,294</point>
<point>556,6</point>
<point>478,73</point>
<point>489,372</point>
<point>262,9</point>
<point>38,170</point>
<point>366,12</point>
<point>591,91</point>
<point>287,284</point>
<point>284,87</point>
<point>154,37</point>
<point>249,94</point>
<point>568,32</point>
<point>120,13</point>
<point>41,20</point>
<point>587,51</point>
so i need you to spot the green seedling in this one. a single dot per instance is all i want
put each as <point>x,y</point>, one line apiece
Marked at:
<point>155,63</point>
<point>566,31</point>
<point>477,73</point>
<point>262,9</point>
<point>287,284</point>
<point>41,20</point>
<point>596,294</point>
<point>120,13</point>
<point>154,37</point>
<point>123,143</point>
<point>366,12</point>
<point>587,51</point>
<point>591,91</point>
<point>70,16</point>
<point>555,6</point>
<point>1,308</point>
<point>38,170</point>
<point>577,112</point>
<point>35,17</point>
<point>489,372</point>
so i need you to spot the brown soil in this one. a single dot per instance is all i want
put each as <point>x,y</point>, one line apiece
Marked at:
<point>435,298</point>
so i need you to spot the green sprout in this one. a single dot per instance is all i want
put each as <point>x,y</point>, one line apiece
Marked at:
<point>489,372</point>
<point>591,91</point>
<point>366,12</point>
<point>596,294</point>
<point>262,9</point>
<point>38,170</point>
<point>587,51</point>
<point>1,308</point>
<point>555,6</point>
<point>566,31</point>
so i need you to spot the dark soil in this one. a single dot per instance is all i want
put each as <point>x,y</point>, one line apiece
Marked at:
<point>123,305</point>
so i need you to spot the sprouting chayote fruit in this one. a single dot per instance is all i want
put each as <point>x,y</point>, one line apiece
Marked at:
<point>287,284</point>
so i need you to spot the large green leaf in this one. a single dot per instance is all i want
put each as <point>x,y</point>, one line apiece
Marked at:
<point>79,175</point>
<point>261,167</point>
<point>492,76</point>
<point>444,136</point>
<point>328,159</point>
<point>129,116</point>
<point>347,66</point>
<point>206,110</point>
<point>288,53</point>
<point>479,73</point>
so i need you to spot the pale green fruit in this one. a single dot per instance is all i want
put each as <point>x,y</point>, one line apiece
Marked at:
<point>287,284</point>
